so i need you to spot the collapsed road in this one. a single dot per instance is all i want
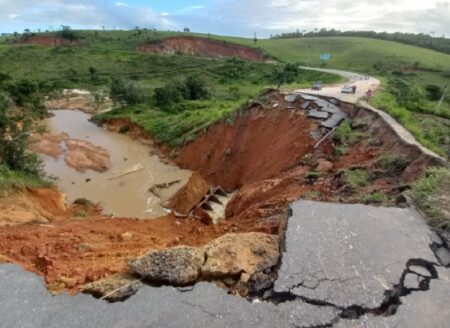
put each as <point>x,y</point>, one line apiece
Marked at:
<point>341,265</point>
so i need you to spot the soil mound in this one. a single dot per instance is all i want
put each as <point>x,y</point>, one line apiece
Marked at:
<point>202,47</point>
<point>40,205</point>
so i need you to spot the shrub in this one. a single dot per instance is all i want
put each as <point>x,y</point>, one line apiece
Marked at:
<point>431,195</point>
<point>126,91</point>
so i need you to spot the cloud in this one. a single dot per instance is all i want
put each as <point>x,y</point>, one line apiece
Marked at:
<point>235,17</point>
<point>19,14</point>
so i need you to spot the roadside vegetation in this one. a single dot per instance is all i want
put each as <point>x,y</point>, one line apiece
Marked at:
<point>20,102</point>
<point>432,195</point>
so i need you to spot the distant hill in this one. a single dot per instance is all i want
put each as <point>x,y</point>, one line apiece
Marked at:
<point>441,44</point>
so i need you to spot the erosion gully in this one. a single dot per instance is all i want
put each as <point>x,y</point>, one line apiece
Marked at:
<point>266,157</point>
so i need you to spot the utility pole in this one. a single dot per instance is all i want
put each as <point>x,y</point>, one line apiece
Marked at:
<point>440,101</point>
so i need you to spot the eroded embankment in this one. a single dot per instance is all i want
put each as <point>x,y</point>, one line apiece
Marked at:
<point>267,156</point>
<point>47,41</point>
<point>203,47</point>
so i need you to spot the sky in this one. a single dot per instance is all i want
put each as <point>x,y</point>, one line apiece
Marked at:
<point>230,17</point>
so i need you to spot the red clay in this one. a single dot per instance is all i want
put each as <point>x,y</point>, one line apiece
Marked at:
<point>189,45</point>
<point>48,41</point>
<point>258,145</point>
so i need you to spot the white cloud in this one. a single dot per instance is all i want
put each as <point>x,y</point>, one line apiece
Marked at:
<point>236,17</point>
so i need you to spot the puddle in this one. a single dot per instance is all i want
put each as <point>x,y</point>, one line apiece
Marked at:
<point>125,196</point>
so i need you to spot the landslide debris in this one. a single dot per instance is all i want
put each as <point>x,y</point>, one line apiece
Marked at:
<point>175,266</point>
<point>236,254</point>
<point>233,256</point>
<point>189,195</point>
<point>114,288</point>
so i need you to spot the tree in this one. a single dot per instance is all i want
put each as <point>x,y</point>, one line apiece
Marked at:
<point>67,33</point>
<point>125,91</point>
<point>197,87</point>
<point>255,39</point>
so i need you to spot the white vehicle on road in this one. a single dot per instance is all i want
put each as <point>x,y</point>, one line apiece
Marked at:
<point>348,89</point>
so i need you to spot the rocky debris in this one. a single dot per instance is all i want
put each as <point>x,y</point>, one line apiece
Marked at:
<point>234,254</point>
<point>334,120</point>
<point>157,188</point>
<point>117,287</point>
<point>83,155</point>
<point>324,166</point>
<point>175,266</point>
<point>48,143</point>
<point>228,256</point>
<point>189,195</point>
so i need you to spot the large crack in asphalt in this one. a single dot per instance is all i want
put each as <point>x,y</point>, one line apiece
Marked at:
<point>423,270</point>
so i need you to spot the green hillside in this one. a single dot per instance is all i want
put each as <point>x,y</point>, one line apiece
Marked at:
<point>408,73</point>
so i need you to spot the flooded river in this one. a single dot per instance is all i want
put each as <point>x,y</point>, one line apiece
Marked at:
<point>126,196</point>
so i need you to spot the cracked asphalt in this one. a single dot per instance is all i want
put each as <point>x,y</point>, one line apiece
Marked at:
<point>342,266</point>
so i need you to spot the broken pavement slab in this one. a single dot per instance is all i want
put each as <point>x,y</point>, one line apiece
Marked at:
<point>356,254</point>
<point>318,114</point>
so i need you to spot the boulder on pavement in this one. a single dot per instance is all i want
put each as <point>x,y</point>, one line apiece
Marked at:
<point>177,266</point>
<point>114,288</point>
<point>234,254</point>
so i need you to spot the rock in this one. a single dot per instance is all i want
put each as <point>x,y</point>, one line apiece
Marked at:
<point>126,236</point>
<point>4,259</point>
<point>190,195</point>
<point>234,254</point>
<point>114,288</point>
<point>324,166</point>
<point>82,248</point>
<point>177,266</point>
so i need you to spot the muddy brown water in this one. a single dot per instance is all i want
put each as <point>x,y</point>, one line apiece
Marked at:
<point>127,196</point>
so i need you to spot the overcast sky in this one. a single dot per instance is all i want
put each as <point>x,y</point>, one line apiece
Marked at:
<point>231,17</point>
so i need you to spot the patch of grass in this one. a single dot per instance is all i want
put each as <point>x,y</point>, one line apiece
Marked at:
<point>393,163</point>
<point>432,137</point>
<point>431,194</point>
<point>11,180</point>
<point>376,197</point>
<point>356,178</point>
<point>346,136</point>
<point>311,194</point>
<point>313,174</point>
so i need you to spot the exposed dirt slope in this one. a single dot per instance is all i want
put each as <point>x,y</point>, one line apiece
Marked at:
<point>33,205</point>
<point>48,41</point>
<point>202,47</point>
<point>258,145</point>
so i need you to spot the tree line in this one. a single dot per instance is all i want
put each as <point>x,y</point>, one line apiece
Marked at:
<point>441,44</point>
